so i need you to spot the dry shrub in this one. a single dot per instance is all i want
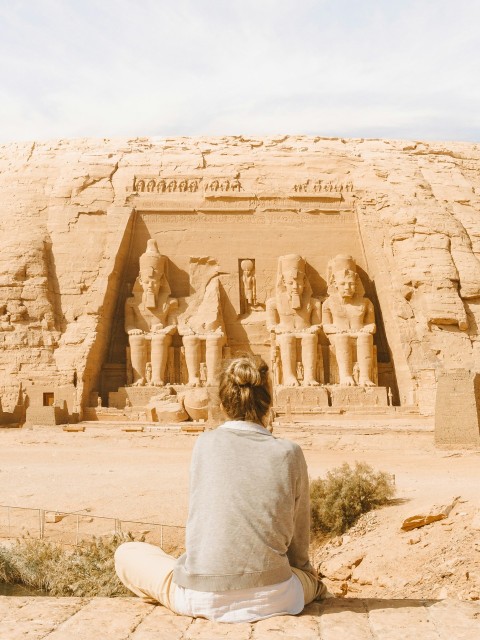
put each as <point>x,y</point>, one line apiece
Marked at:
<point>340,499</point>
<point>84,571</point>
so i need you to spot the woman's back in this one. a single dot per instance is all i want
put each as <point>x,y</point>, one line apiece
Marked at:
<point>248,524</point>
<point>249,513</point>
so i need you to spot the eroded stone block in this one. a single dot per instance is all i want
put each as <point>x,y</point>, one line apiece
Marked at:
<point>358,396</point>
<point>301,398</point>
<point>457,409</point>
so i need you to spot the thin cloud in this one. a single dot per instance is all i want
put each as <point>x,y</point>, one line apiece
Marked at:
<point>207,67</point>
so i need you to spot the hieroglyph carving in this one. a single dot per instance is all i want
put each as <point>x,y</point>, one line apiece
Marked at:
<point>148,320</point>
<point>349,321</point>
<point>293,314</point>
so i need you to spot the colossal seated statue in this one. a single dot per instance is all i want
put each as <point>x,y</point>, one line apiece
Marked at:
<point>349,321</point>
<point>293,314</point>
<point>202,323</point>
<point>148,319</point>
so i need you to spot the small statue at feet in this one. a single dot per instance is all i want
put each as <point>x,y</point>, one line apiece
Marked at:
<point>349,321</point>
<point>293,314</point>
<point>148,318</point>
<point>148,373</point>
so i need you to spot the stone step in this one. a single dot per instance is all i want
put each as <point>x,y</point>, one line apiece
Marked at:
<point>38,618</point>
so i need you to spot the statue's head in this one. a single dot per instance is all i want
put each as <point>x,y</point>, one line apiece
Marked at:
<point>343,277</point>
<point>152,274</point>
<point>346,283</point>
<point>292,279</point>
<point>247,267</point>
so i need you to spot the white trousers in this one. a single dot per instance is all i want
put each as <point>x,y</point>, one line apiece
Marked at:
<point>147,571</point>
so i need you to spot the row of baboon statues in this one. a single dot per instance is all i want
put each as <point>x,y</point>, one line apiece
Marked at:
<point>292,315</point>
<point>184,185</point>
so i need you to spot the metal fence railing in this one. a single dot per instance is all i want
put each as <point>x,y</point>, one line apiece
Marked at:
<point>75,527</point>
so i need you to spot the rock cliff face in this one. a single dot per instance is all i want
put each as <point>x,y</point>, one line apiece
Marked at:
<point>75,216</point>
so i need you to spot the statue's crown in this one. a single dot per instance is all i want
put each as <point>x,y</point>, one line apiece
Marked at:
<point>343,263</point>
<point>292,262</point>
<point>152,257</point>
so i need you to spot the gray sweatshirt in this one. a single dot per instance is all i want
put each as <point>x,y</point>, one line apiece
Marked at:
<point>249,514</point>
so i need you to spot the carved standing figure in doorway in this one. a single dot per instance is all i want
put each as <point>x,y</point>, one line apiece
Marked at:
<point>148,318</point>
<point>349,321</point>
<point>249,283</point>
<point>294,315</point>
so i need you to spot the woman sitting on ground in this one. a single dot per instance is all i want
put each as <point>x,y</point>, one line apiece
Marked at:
<point>248,526</point>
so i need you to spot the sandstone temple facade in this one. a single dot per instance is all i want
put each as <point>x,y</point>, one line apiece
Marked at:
<point>132,268</point>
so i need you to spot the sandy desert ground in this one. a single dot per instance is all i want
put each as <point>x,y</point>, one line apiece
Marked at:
<point>105,471</point>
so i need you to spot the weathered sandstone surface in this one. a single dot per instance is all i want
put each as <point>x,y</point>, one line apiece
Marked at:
<point>77,214</point>
<point>131,619</point>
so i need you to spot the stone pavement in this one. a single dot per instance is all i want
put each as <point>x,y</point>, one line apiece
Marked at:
<point>35,618</point>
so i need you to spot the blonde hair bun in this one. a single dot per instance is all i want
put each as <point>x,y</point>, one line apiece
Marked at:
<point>244,389</point>
<point>244,373</point>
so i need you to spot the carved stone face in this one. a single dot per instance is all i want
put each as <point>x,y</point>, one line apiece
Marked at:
<point>346,284</point>
<point>151,279</point>
<point>294,282</point>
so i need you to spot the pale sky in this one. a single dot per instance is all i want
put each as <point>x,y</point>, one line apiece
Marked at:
<point>351,68</point>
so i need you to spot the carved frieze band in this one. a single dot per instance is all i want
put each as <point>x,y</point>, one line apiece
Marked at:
<point>185,184</point>
<point>184,193</point>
